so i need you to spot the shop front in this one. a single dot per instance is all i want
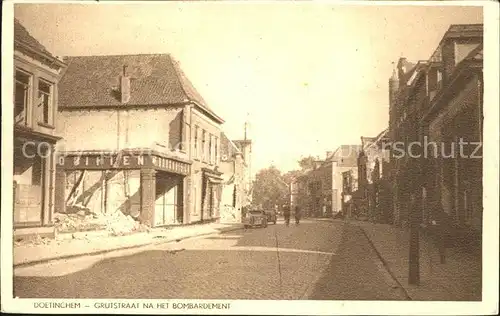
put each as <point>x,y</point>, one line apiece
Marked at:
<point>148,187</point>
<point>212,193</point>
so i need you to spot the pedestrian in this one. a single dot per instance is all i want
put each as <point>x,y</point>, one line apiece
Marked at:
<point>286,214</point>
<point>297,215</point>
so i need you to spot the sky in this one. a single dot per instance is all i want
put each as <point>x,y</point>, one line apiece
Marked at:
<point>308,77</point>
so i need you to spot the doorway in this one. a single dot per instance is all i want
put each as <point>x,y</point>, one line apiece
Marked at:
<point>168,202</point>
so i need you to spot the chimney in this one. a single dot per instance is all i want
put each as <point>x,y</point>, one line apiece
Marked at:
<point>125,85</point>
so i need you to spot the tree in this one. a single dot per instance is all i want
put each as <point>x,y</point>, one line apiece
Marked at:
<point>291,175</point>
<point>307,162</point>
<point>269,189</point>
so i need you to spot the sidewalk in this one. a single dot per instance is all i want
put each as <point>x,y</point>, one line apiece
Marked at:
<point>48,250</point>
<point>459,279</point>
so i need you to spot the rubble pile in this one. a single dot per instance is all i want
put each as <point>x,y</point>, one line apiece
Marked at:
<point>120,224</point>
<point>83,220</point>
<point>77,222</point>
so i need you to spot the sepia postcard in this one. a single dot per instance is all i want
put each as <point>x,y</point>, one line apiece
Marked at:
<point>250,157</point>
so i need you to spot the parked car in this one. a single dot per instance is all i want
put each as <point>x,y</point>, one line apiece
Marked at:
<point>255,218</point>
<point>272,217</point>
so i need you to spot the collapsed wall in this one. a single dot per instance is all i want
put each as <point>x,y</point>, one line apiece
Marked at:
<point>101,200</point>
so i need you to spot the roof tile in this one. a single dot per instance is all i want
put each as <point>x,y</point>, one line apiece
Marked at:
<point>22,35</point>
<point>155,79</point>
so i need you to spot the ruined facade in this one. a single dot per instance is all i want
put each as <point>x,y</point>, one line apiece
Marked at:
<point>138,139</point>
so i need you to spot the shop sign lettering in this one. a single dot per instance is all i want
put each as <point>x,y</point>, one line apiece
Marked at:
<point>170,165</point>
<point>92,162</point>
<point>122,162</point>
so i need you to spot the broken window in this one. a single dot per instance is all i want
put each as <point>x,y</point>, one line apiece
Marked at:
<point>21,96</point>
<point>45,101</point>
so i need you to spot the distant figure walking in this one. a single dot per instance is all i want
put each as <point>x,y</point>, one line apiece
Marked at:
<point>297,215</point>
<point>286,214</point>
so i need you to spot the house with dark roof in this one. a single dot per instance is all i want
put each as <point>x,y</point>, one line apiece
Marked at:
<point>36,74</point>
<point>437,104</point>
<point>138,138</point>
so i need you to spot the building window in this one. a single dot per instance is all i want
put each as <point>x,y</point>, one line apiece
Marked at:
<point>182,131</point>
<point>195,201</point>
<point>347,182</point>
<point>203,143</point>
<point>210,143</point>
<point>195,142</point>
<point>216,151</point>
<point>45,101</point>
<point>439,79</point>
<point>21,96</point>
<point>427,84</point>
<point>214,148</point>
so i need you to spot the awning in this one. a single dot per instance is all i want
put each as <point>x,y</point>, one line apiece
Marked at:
<point>214,180</point>
<point>212,176</point>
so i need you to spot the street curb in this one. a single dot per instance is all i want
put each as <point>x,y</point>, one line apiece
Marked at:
<point>100,252</point>
<point>386,265</point>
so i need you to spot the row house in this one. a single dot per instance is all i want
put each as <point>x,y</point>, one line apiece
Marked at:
<point>318,189</point>
<point>407,98</point>
<point>327,188</point>
<point>310,189</point>
<point>236,191</point>
<point>36,76</point>
<point>453,119</point>
<point>138,138</point>
<point>438,103</point>
<point>374,191</point>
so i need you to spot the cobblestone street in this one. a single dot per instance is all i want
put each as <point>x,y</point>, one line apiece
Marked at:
<point>316,260</point>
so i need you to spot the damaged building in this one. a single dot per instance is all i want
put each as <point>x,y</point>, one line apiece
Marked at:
<point>36,76</point>
<point>138,140</point>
